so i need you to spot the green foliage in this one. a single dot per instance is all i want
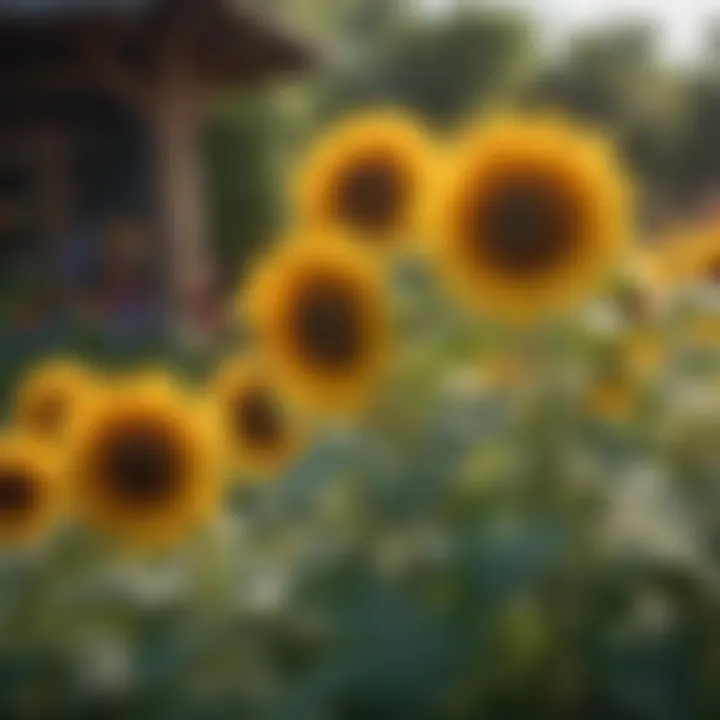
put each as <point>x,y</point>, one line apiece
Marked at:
<point>463,555</point>
<point>442,69</point>
<point>244,145</point>
<point>452,68</point>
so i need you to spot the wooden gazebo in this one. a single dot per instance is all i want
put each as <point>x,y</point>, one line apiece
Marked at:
<point>130,79</point>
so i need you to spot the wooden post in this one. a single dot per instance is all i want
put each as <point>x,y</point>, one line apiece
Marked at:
<point>177,115</point>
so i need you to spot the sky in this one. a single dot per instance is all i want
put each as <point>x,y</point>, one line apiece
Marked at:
<point>681,22</point>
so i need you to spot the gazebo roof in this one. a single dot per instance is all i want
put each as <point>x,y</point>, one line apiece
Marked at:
<point>226,39</point>
<point>45,8</point>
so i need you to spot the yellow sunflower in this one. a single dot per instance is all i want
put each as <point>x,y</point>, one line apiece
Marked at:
<point>144,459</point>
<point>368,177</point>
<point>31,489</point>
<point>259,430</point>
<point>532,213</point>
<point>49,397</point>
<point>320,313</point>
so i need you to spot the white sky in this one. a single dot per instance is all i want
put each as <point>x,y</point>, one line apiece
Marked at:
<point>681,21</point>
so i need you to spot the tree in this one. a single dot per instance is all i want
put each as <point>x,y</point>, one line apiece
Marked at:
<point>443,67</point>
<point>697,162</point>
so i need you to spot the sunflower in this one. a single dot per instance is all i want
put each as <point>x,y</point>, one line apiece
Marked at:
<point>31,491</point>
<point>321,318</point>
<point>49,397</point>
<point>368,177</point>
<point>258,427</point>
<point>531,214</point>
<point>144,460</point>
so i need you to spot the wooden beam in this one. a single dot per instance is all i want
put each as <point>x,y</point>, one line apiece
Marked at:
<point>177,112</point>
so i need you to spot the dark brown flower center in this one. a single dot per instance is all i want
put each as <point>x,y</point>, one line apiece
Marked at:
<point>48,413</point>
<point>18,492</point>
<point>142,464</point>
<point>526,226</point>
<point>257,417</point>
<point>327,325</point>
<point>371,194</point>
